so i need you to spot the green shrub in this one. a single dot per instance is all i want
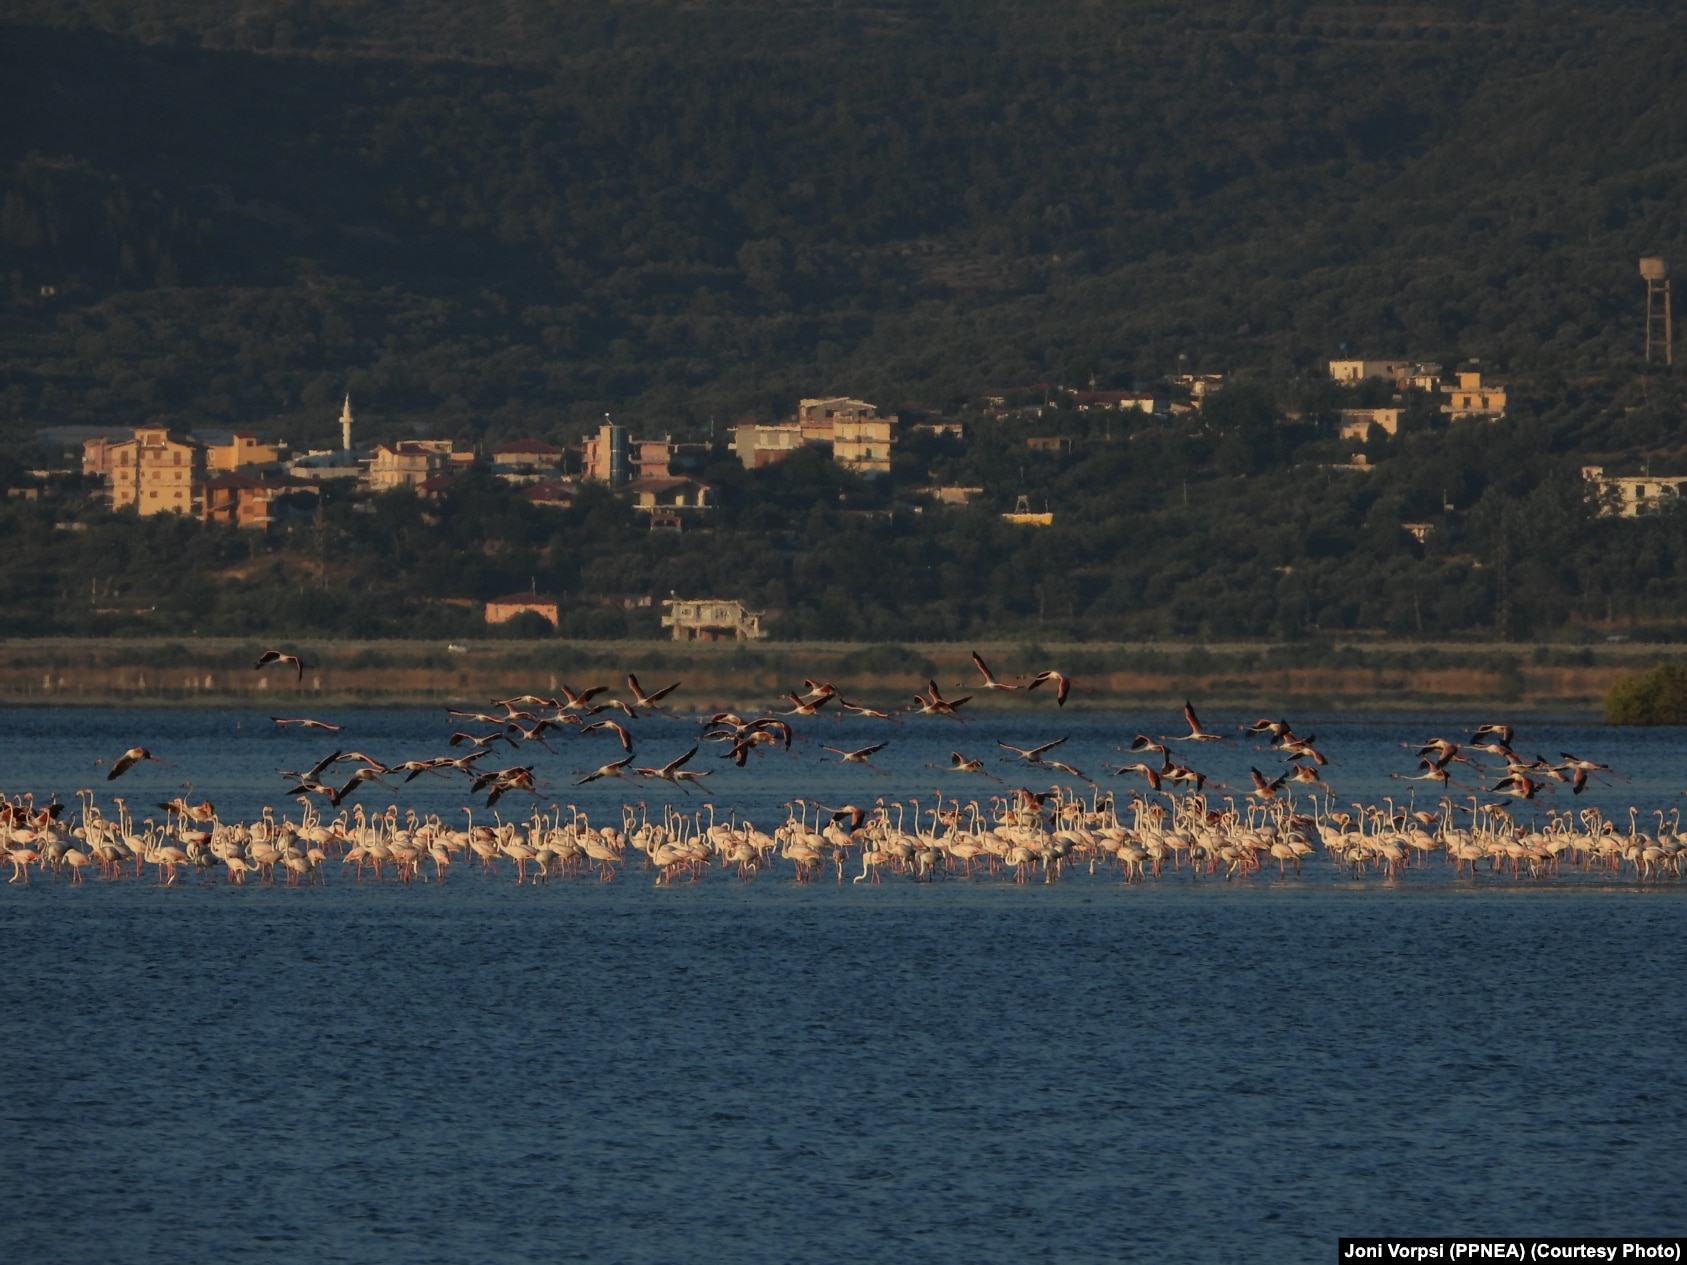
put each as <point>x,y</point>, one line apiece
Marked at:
<point>1657,698</point>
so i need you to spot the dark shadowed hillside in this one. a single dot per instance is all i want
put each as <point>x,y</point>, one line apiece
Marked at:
<point>488,220</point>
<point>507,216</point>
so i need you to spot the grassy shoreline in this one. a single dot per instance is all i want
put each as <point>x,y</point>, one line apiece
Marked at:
<point>1338,676</point>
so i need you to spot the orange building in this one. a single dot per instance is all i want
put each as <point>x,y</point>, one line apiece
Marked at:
<point>243,449</point>
<point>503,609</point>
<point>1472,399</point>
<point>239,499</point>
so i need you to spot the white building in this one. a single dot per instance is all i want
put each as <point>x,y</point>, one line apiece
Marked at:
<point>1637,495</point>
<point>711,619</point>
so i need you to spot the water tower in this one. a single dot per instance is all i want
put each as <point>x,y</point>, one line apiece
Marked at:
<point>612,441</point>
<point>1655,272</point>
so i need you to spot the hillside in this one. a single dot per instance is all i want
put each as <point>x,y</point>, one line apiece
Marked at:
<point>500,218</point>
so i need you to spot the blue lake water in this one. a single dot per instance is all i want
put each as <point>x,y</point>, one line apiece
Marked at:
<point>961,1070</point>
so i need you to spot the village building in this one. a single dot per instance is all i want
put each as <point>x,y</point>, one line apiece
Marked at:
<point>96,453</point>
<point>760,445</point>
<point>344,462</point>
<point>501,610</point>
<point>321,465</point>
<point>551,494</point>
<point>155,471</point>
<point>951,494</point>
<point>606,457</point>
<point>523,461</point>
<point>711,619</point>
<point>852,430</point>
<point>1049,443</point>
<point>411,462</point>
<point>819,416</point>
<point>861,439</point>
<point>1470,398</point>
<point>942,427</point>
<point>1119,401</point>
<point>1356,423</point>
<point>242,451</point>
<point>863,444</point>
<point>665,459</point>
<point>1634,496</point>
<point>239,498</point>
<point>652,494</point>
<point>1199,385</point>
<point>1354,371</point>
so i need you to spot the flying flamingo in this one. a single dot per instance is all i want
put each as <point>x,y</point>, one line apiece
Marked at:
<point>654,697</point>
<point>1062,684</point>
<point>990,681</point>
<point>1196,733</point>
<point>862,756</point>
<point>129,759</point>
<point>276,656</point>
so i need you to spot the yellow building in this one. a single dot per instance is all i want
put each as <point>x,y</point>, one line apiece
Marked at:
<point>409,462</point>
<point>863,444</point>
<point>652,494</point>
<point>156,472</point>
<point>1471,399</point>
<point>1351,371</point>
<point>242,450</point>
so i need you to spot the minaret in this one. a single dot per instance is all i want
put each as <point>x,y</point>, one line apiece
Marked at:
<point>345,425</point>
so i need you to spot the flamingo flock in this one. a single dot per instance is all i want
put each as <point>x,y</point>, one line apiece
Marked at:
<point>1020,835</point>
<point>1181,823</point>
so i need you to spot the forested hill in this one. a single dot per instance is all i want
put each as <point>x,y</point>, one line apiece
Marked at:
<point>496,218</point>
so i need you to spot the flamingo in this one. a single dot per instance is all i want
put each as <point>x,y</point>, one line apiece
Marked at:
<point>990,681</point>
<point>276,656</point>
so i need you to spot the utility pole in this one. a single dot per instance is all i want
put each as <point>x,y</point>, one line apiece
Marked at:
<point>1502,579</point>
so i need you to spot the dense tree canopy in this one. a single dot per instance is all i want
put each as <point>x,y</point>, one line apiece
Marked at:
<point>506,217</point>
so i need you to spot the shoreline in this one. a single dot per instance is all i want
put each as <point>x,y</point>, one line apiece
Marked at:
<point>1338,677</point>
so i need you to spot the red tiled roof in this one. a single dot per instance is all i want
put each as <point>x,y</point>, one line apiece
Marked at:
<point>1110,397</point>
<point>553,493</point>
<point>527,447</point>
